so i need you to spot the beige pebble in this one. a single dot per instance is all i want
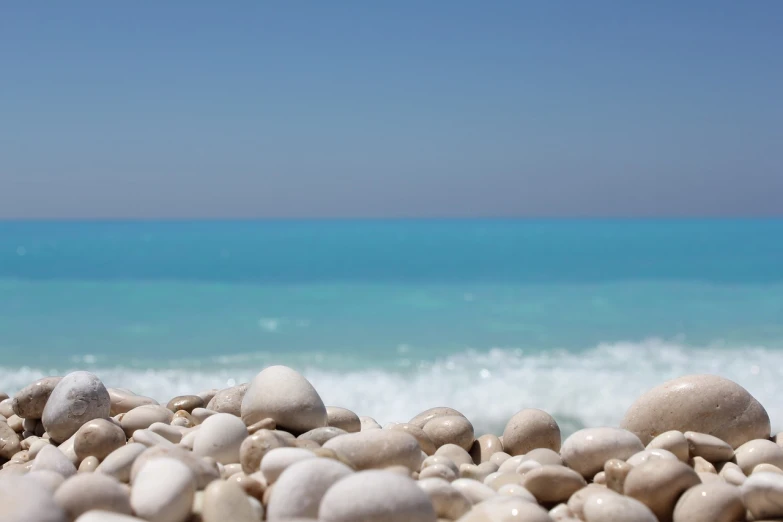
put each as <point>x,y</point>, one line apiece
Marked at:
<point>119,462</point>
<point>123,401</point>
<point>701,465</point>
<point>278,459</point>
<point>561,512</point>
<point>88,491</point>
<point>759,451</point>
<point>9,441</point>
<point>709,477</point>
<point>457,454</point>
<point>608,506</point>
<point>163,491</point>
<point>106,516</point>
<point>424,417</point>
<point>600,478</point>
<point>762,494</point>
<point>252,487</point>
<point>650,454</point>
<point>767,468</point>
<point>449,503</point>
<point>516,490</point>
<point>199,415</point>
<point>228,400</point>
<point>48,479</point>
<point>732,474</point>
<point>484,447</point>
<point>6,408</point>
<point>150,438</point>
<point>553,484</point>
<point>52,459</point>
<point>498,479</point>
<point>254,447</point>
<point>576,501</point>
<point>531,429</point>
<point>88,465</point>
<point>263,424</point>
<point>437,471</point>
<point>300,488</point>
<point>24,500</point>
<point>511,464</point>
<point>208,395</point>
<point>543,456</point>
<point>702,403</point>
<point>442,460</point>
<point>220,437</point>
<point>321,435</point>
<point>229,469</point>
<point>343,418</point>
<point>479,472</point>
<point>142,417</point>
<point>16,423</point>
<point>98,438</point>
<point>507,508</point>
<point>283,394</point>
<point>588,449</point>
<point>450,429</point>
<point>658,484</point>
<point>708,447</point>
<point>473,490</point>
<point>425,443</point>
<point>368,423</point>
<point>204,469</point>
<point>36,446</point>
<point>186,403</point>
<point>713,502</point>
<point>170,432</point>
<point>378,449</point>
<point>499,457</point>
<point>20,457</point>
<point>376,495</point>
<point>29,402</point>
<point>224,501</point>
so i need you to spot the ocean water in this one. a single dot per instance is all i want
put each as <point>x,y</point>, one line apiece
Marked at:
<point>391,317</point>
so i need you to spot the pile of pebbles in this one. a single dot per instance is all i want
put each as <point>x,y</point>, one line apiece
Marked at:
<point>694,449</point>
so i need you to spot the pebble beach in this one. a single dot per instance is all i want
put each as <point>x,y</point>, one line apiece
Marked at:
<point>696,448</point>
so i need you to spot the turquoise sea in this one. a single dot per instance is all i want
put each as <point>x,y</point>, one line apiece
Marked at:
<point>389,317</point>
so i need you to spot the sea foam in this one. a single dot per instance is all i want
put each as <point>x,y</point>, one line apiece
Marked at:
<point>593,387</point>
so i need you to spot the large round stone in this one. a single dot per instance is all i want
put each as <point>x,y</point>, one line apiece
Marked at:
<point>78,398</point>
<point>702,403</point>
<point>284,395</point>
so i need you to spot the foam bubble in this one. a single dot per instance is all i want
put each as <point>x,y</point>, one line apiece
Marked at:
<point>588,388</point>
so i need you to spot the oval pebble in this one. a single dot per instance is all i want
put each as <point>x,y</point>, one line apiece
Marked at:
<point>713,502</point>
<point>448,502</point>
<point>278,459</point>
<point>29,402</point>
<point>553,484</point>
<point>758,451</point>
<point>119,462</point>
<point>90,491</point>
<point>450,429</point>
<point>24,500</point>
<point>163,491</point>
<point>374,449</point>
<point>531,429</point>
<point>98,438</point>
<point>220,437</point>
<point>658,484</point>
<point>708,447</point>
<point>609,506</point>
<point>300,488</point>
<point>142,417</point>
<point>52,459</point>
<point>228,400</point>
<point>226,501</point>
<point>762,494</point>
<point>588,449</point>
<point>344,419</point>
<point>78,398</point>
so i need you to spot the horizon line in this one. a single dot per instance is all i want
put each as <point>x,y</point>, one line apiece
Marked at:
<point>380,219</point>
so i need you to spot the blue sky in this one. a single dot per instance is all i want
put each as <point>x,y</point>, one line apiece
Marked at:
<point>390,109</point>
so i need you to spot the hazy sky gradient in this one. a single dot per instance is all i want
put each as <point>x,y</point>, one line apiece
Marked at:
<point>391,109</point>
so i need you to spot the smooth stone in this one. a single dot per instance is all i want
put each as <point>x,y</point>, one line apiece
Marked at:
<point>150,439</point>
<point>9,441</point>
<point>702,403</point>
<point>503,508</point>
<point>106,516</point>
<point>424,417</point>
<point>758,451</point>
<point>163,491</point>
<point>484,447</point>
<point>709,477</point>
<point>183,419</point>
<point>543,456</point>
<point>226,501</point>
<point>98,438</point>
<point>457,454</point>
<point>169,432</point>
<point>608,506</point>
<point>576,502</point>
<point>254,447</point>
<point>283,394</point>
<point>278,459</point>
<point>52,459</point>
<point>616,471</point>
<point>251,486</point>
<point>123,401</point>
<point>208,395</point>
<point>119,462</point>
<point>68,449</point>
<point>732,474</point>
<point>142,417</point>
<point>701,465</point>
<point>511,464</point>
<point>186,403</point>
<point>516,490</point>
<point>527,465</point>
<point>437,471</point>
<point>449,503</point>
<point>658,484</point>
<point>499,457</point>
<point>377,449</point>
<point>88,465</point>
<point>553,484</point>
<point>473,490</point>
<point>344,419</point>
<point>77,399</point>
<point>51,480</point>
<point>425,443</point>
<point>708,447</point>
<point>199,415</point>
<point>650,454</point>
<point>220,437</point>
<point>762,494</point>
<point>767,468</point>
<point>499,479</point>
<point>600,478</point>
<point>321,435</point>
<point>301,486</point>
<point>6,408</point>
<point>530,429</point>
<point>16,423</point>
<point>713,502</point>
<point>229,400</point>
<point>450,429</point>
<point>23,500</point>
<point>187,440</point>
<point>438,460</point>
<point>588,449</point>
<point>203,469</point>
<point>89,491</point>
<point>477,472</point>
<point>229,469</point>
<point>561,512</point>
<point>376,495</point>
<point>368,423</point>
<point>29,402</point>
<point>263,424</point>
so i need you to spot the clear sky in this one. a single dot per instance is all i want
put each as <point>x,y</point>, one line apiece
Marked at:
<point>391,109</point>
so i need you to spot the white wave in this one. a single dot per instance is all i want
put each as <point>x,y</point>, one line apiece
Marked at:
<point>589,388</point>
